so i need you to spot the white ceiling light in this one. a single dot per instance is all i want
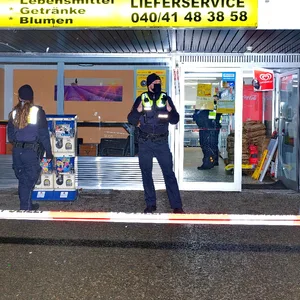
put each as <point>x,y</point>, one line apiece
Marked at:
<point>201,79</point>
<point>86,65</point>
<point>202,75</point>
<point>195,83</point>
<point>249,49</point>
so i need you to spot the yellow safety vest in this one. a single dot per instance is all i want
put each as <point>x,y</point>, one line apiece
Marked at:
<point>213,113</point>
<point>148,103</point>
<point>32,117</point>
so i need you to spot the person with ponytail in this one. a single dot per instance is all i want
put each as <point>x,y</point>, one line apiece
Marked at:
<point>28,132</point>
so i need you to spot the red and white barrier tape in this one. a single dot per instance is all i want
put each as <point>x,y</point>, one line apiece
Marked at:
<point>213,219</point>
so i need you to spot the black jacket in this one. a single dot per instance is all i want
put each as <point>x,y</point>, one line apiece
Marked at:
<point>32,133</point>
<point>149,121</point>
<point>201,117</point>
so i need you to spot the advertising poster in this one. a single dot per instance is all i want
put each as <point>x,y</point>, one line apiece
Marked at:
<point>252,104</point>
<point>226,103</point>
<point>92,89</point>
<point>204,98</point>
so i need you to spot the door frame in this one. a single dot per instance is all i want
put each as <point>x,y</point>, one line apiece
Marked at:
<point>236,185</point>
<point>293,185</point>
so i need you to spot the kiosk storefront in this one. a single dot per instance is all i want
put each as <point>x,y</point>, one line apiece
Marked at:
<point>273,110</point>
<point>52,74</point>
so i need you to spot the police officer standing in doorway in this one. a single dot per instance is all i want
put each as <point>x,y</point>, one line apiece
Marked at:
<point>154,110</point>
<point>28,132</point>
<point>209,125</point>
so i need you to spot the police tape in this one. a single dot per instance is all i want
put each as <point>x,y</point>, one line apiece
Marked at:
<point>164,218</point>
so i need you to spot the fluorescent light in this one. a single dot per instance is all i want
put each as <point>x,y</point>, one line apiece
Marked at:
<point>86,65</point>
<point>201,78</point>
<point>195,83</point>
<point>201,75</point>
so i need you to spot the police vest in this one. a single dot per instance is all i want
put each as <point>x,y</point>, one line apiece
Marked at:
<point>214,116</point>
<point>32,117</point>
<point>30,132</point>
<point>147,102</point>
<point>213,113</point>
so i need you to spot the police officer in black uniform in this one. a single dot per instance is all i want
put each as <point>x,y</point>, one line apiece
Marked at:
<point>28,132</point>
<point>209,125</point>
<point>154,110</point>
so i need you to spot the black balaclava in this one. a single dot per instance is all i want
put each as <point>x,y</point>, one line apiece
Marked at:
<point>157,86</point>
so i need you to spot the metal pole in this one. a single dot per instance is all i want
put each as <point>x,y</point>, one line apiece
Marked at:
<point>60,88</point>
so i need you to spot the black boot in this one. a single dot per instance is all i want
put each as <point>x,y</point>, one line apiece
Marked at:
<point>178,211</point>
<point>208,163</point>
<point>205,167</point>
<point>150,209</point>
<point>216,158</point>
<point>35,206</point>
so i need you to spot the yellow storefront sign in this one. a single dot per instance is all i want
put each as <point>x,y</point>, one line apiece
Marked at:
<point>128,13</point>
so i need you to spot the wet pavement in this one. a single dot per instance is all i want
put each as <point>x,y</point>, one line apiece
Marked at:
<point>269,200</point>
<point>85,260</point>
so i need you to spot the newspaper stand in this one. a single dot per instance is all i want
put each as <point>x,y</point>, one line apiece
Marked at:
<point>57,180</point>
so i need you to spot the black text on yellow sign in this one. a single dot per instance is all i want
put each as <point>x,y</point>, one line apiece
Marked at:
<point>128,13</point>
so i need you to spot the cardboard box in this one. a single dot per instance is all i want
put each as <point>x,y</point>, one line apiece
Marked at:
<point>88,150</point>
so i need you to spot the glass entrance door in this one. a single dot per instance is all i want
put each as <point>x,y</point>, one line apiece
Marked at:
<point>210,130</point>
<point>288,131</point>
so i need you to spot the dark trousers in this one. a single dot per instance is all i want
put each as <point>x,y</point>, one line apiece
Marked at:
<point>216,144</point>
<point>207,139</point>
<point>160,150</point>
<point>26,165</point>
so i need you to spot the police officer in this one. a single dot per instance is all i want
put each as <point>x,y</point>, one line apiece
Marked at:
<point>153,111</point>
<point>208,122</point>
<point>28,132</point>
